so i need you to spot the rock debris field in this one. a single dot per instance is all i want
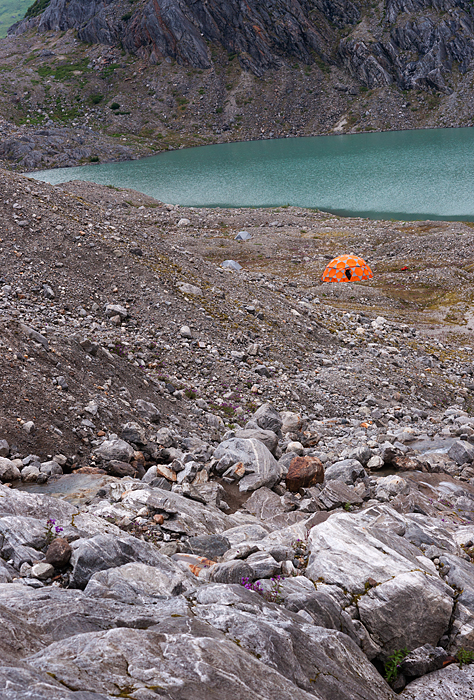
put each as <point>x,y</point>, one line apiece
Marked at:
<point>232,481</point>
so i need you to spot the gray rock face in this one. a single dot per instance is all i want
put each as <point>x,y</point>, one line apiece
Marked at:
<point>8,471</point>
<point>410,610</point>
<point>268,437</point>
<point>461,452</point>
<point>175,650</point>
<point>115,449</point>
<point>394,582</point>
<point>148,411</point>
<point>268,418</point>
<point>451,683</point>
<point>23,684</point>
<point>138,583</point>
<point>260,465</point>
<point>347,470</point>
<point>107,552</point>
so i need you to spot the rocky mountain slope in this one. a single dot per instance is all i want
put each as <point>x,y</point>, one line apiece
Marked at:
<point>144,76</point>
<point>231,483</point>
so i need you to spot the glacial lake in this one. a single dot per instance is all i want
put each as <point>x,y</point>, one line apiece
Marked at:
<point>420,174</point>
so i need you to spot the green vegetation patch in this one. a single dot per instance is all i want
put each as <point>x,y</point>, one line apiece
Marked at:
<point>11,11</point>
<point>65,71</point>
<point>36,8</point>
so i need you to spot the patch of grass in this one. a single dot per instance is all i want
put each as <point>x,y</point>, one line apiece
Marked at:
<point>392,664</point>
<point>464,657</point>
<point>96,99</point>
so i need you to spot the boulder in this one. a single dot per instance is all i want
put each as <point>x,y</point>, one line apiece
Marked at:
<point>336,494</point>
<point>51,468</point>
<point>347,470</point>
<point>136,583</point>
<point>260,465</point>
<point>58,553</point>
<point>423,660</point>
<point>268,418</point>
<point>116,310</point>
<point>210,546</point>
<point>390,486</point>
<point>347,549</point>
<point>117,468</point>
<point>231,572</point>
<point>148,411</point>
<point>268,437</point>
<point>264,503</point>
<point>410,610</point>
<point>114,448</point>
<point>291,422</point>
<point>461,452</point>
<point>133,432</point>
<point>22,683</point>
<point>108,552</point>
<point>451,683</point>
<point>8,471</point>
<point>304,472</point>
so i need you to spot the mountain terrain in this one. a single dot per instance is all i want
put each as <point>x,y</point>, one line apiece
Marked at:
<point>231,481</point>
<point>119,80</point>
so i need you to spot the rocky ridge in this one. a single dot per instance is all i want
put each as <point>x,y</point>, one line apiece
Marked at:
<point>222,482</point>
<point>94,83</point>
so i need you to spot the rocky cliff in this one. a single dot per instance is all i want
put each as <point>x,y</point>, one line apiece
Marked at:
<point>410,43</point>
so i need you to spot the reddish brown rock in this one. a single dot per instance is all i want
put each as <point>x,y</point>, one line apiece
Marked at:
<point>304,472</point>
<point>58,553</point>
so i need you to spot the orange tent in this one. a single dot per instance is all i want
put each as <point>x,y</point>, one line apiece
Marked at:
<point>347,268</point>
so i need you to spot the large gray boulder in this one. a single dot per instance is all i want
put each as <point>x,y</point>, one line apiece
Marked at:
<point>21,539</point>
<point>460,575</point>
<point>268,418</point>
<point>260,465</point>
<point>410,610</point>
<point>8,470</point>
<point>451,683</point>
<point>115,448</point>
<point>26,684</point>
<point>182,657</point>
<point>401,599</point>
<point>347,470</point>
<point>461,452</point>
<point>137,583</point>
<point>185,516</point>
<point>107,552</point>
<point>346,551</point>
<point>268,437</point>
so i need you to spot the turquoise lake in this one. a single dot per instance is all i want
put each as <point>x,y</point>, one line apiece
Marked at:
<point>421,174</point>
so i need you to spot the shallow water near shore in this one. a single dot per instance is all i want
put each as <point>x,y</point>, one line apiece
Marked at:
<point>403,175</point>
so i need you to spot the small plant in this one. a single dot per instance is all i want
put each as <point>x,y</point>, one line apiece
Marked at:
<point>464,657</point>
<point>96,99</point>
<point>250,586</point>
<point>347,506</point>
<point>190,393</point>
<point>94,159</point>
<point>126,16</point>
<point>272,596</point>
<point>52,530</point>
<point>115,105</point>
<point>275,592</point>
<point>393,664</point>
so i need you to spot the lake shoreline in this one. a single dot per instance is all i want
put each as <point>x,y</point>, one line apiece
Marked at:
<point>416,174</point>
